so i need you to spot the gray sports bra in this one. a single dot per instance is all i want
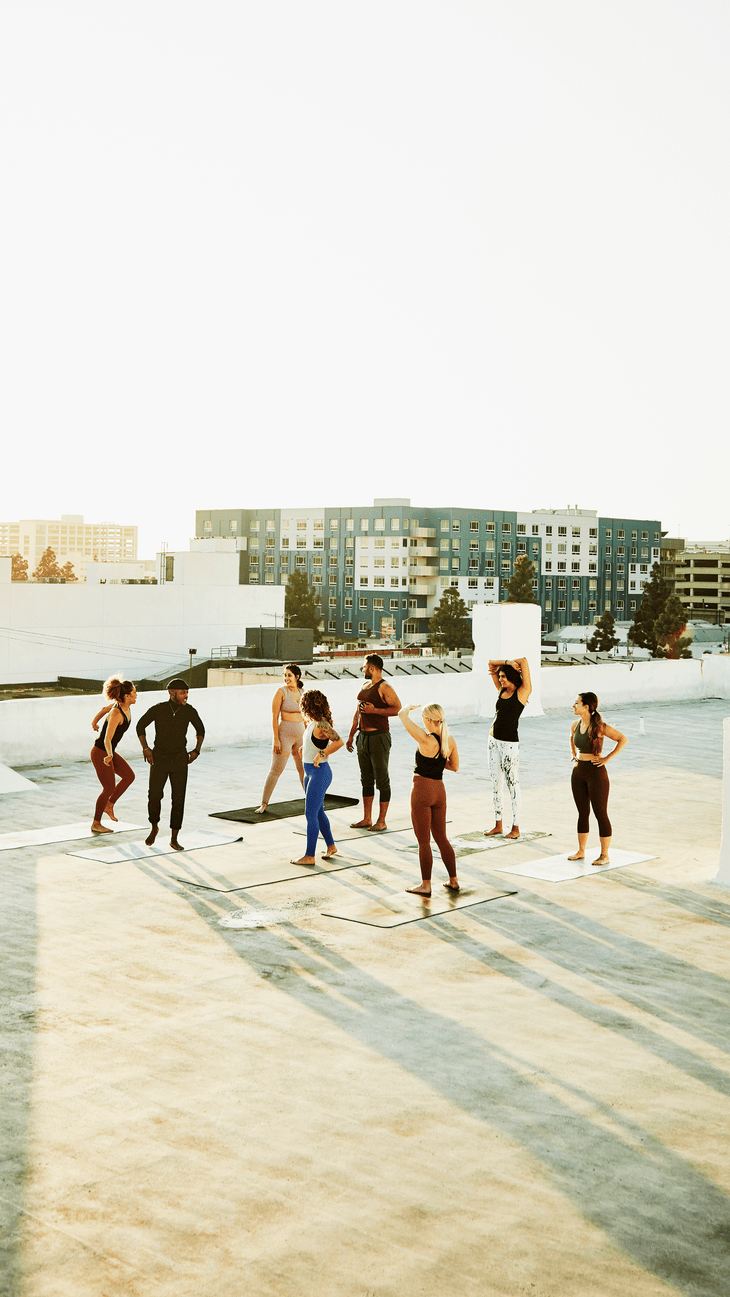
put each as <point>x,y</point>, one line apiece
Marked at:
<point>289,703</point>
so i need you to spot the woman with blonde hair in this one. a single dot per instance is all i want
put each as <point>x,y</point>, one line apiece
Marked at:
<point>288,726</point>
<point>320,741</point>
<point>104,758</point>
<point>436,752</point>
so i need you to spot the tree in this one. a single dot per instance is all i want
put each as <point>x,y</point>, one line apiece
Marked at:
<point>67,571</point>
<point>603,639</point>
<point>519,586</point>
<point>653,602</point>
<point>48,566</point>
<point>19,569</point>
<point>450,626</point>
<point>299,604</point>
<point>669,630</point>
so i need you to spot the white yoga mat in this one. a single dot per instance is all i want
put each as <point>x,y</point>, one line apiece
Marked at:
<point>117,852</point>
<point>12,782</point>
<point>60,833</point>
<point>557,869</point>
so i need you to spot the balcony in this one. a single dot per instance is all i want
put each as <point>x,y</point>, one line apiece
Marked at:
<point>428,533</point>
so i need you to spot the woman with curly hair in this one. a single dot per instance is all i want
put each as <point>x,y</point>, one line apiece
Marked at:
<point>104,757</point>
<point>589,781</point>
<point>320,741</point>
<point>514,686</point>
<point>436,752</point>
<point>288,731</point>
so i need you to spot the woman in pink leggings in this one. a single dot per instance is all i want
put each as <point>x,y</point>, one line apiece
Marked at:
<point>288,725</point>
<point>436,752</point>
<point>104,757</point>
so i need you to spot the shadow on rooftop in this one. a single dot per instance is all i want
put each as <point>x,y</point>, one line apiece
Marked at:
<point>652,1203</point>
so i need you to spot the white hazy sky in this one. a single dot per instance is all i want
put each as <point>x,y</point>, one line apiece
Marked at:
<point>288,253</point>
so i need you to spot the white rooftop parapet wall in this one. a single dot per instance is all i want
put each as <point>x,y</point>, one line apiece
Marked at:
<point>506,630</point>
<point>723,873</point>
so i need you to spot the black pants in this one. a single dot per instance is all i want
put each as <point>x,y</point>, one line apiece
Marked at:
<point>176,770</point>
<point>373,754</point>
<point>590,789</point>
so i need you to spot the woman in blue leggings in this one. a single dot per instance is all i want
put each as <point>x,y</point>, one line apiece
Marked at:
<point>319,742</point>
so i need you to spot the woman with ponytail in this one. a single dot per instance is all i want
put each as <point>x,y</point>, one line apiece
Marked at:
<point>104,757</point>
<point>436,752</point>
<point>319,743</point>
<point>589,781</point>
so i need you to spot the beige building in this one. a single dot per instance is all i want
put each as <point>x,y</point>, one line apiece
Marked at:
<point>702,580</point>
<point>71,539</point>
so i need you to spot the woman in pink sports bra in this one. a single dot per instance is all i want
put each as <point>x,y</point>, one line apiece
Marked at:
<point>288,726</point>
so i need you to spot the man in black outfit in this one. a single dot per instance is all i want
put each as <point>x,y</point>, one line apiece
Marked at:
<point>169,758</point>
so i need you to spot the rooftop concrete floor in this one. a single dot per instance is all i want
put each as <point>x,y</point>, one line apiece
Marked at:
<point>530,1097</point>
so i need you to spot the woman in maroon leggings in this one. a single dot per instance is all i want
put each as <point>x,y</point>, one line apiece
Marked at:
<point>436,752</point>
<point>589,781</point>
<point>104,757</point>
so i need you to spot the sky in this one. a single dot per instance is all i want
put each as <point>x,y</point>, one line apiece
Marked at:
<point>281,254</point>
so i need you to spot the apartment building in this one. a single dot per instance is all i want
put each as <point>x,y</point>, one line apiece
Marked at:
<point>380,571</point>
<point>702,580</point>
<point>71,539</point>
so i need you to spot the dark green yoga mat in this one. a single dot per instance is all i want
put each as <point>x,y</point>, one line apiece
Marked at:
<point>281,810</point>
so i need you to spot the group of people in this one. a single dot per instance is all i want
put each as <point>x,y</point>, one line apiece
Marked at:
<point>303,730</point>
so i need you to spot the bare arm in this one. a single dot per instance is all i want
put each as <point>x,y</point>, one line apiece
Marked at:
<point>525,689</point>
<point>618,738</point>
<point>391,700</point>
<point>353,729</point>
<point>112,724</point>
<point>276,718</point>
<point>324,730</point>
<point>97,718</point>
<point>573,749</point>
<point>494,668</point>
<point>452,762</point>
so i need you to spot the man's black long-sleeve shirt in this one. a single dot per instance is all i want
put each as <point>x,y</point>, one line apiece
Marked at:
<point>171,723</point>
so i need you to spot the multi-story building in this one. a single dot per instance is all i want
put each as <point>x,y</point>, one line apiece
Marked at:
<point>702,580</point>
<point>669,555</point>
<point>381,570</point>
<point>71,539</point>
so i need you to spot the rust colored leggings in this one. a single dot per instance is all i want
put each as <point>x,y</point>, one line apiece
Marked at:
<point>111,790</point>
<point>428,816</point>
<point>590,789</point>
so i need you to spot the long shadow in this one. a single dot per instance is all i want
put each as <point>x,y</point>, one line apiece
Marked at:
<point>652,1203</point>
<point>715,909</point>
<point>18,942</point>
<point>646,978</point>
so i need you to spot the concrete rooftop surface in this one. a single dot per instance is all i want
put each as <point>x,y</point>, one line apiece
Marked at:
<point>232,1093</point>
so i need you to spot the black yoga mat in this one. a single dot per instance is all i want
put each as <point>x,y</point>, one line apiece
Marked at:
<point>282,810</point>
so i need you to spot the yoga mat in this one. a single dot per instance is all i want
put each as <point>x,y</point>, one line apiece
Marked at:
<point>281,810</point>
<point>557,869</point>
<point>256,870</point>
<point>399,908</point>
<point>193,840</point>
<point>12,782</point>
<point>60,833</point>
<point>467,843</point>
<point>343,833</point>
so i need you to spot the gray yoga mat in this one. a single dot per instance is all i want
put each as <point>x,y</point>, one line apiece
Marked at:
<point>60,833</point>
<point>193,840</point>
<point>398,908</point>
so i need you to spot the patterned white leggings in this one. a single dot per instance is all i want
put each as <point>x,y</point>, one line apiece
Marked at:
<point>504,763</point>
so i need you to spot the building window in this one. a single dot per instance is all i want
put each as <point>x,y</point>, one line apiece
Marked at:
<point>395,524</point>
<point>378,603</point>
<point>473,526</point>
<point>490,527</point>
<point>444,524</point>
<point>362,603</point>
<point>380,524</point>
<point>506,526</point>
<point>456,524</point>
<point>363,628</point>
<point>364,524</point>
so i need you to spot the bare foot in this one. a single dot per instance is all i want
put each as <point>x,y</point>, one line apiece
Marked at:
<point>496,832</point>
<point>260,809</point>
<point>331,851</point>
<point>362,824</point>
<point>578,856</point>
<point>304,860</point>
<point>110,812</point>
<point>378,828</point>
<point>421,890</point>
<point>100,828</point>
<point>452,885</point>
<point>602,860</point>
<point>176,846</point>
<point>151,837</point>
<point>513,833</point>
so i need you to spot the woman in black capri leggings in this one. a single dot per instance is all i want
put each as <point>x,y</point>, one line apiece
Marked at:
<point>590,779</point>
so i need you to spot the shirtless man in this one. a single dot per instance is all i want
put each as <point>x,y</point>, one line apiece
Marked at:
<point>376,702</point>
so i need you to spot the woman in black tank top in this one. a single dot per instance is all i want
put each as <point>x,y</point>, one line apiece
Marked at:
<point>514,686</point>
<point>436,752</point>
<point>104,757</point>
